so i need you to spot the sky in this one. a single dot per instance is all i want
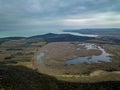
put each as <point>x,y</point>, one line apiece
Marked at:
<point>58,14</point>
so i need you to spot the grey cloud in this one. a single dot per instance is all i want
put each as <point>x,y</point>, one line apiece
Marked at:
<point>46,13</point>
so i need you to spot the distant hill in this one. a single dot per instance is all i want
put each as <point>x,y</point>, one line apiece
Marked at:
<point>50,37</point>
<point>10,38</point>
<point>111,32</point>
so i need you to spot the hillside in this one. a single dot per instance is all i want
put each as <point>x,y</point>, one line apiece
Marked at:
<point>22,78</point>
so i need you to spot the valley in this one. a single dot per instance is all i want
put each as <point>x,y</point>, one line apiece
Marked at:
<point>56,59</point>
<point>67,58</point>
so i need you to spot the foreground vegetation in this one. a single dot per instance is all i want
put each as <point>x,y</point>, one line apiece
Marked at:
<point>22,78</point>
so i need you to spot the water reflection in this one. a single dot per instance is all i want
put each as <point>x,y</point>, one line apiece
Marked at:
<point>104,57</point>
<point>39,57</point>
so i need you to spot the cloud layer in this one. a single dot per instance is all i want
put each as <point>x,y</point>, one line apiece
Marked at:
<point>58,14</point>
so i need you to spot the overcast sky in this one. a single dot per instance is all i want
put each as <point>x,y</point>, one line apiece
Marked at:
<point>58,14</point>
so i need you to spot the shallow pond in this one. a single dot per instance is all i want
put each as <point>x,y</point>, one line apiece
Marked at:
<point>39,57</point>
<point>104,57</point>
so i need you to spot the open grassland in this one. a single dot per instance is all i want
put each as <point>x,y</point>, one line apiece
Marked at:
<point>23,78</point>
<point>19,69</point>
<point>96,76</point>
<point>57,53</point>
<point>18,52</point>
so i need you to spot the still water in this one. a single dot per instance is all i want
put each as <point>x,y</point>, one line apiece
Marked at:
<point>104,57</point>
<point>39,57</point>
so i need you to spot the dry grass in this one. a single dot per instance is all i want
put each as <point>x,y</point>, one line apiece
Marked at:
<point>57,53</point>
